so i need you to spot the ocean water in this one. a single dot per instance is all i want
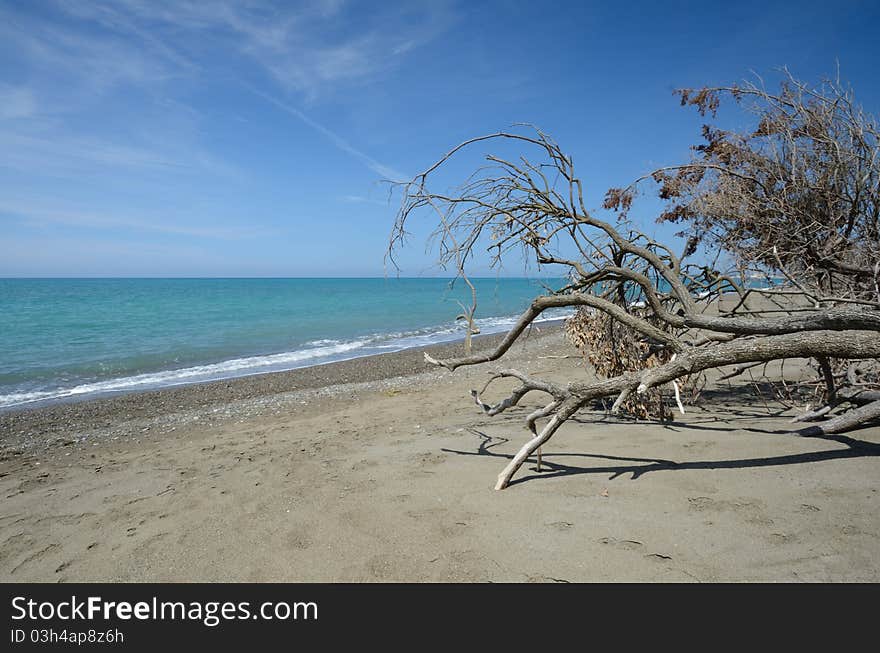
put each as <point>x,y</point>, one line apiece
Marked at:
<point>67,338</point>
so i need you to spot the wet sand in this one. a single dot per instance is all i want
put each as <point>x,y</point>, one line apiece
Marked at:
<point>381,469</point>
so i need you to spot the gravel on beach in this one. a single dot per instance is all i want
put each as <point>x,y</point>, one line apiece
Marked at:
<point>42,427</point>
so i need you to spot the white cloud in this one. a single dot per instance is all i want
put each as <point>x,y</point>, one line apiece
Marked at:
<point>43,216</point>
<point>122,58</point>
<point>16,102</point>
<point>404,47</point>
<point>79,63</point>
<point>57,153</point>
<point>43,256</point>
<point>385,171</point>
<point>305,47</point>
<point>360,199</point>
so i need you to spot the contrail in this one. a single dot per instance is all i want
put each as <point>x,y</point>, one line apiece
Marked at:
<point>380,168</point>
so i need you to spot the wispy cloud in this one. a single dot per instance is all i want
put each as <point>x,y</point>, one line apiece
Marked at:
<point>38,216</point>
<point>53,152</point>
<point>308,47</point>
<point>360,199</point>
<point>28,152</point>
<point>115,20</point>
<point>109,109</point>
<point>80,63</point>
<point>53,255</point>
<point>94,99</point>
<point>16,102</point>
<point>387,172</point>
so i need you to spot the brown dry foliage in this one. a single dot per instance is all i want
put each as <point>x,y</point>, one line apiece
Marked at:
<point>611,349</point>
<point>800,193</point>
<point>785,219</point>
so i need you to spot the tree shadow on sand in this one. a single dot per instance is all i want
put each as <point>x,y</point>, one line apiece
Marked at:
<point>640,466</point>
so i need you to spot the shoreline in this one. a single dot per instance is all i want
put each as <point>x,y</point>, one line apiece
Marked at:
<point>334,478</point>
<point>74,341</point>
<point>243,372</point>
<point>29,428</point>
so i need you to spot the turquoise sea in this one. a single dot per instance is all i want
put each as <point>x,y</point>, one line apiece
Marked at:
<point>67,338</point>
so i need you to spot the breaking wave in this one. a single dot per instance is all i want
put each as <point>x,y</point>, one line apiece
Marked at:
<point>315,352</point>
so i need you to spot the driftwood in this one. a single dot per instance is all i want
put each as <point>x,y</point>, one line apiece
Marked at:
<point>821,301</point>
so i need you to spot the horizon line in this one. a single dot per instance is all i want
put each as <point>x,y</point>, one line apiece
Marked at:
<point>147,277</point>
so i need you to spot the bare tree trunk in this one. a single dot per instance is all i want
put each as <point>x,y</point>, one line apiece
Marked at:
<point>566,410</point>
<point>796,345</point>
<point>847,421</point>
<point>828,377</point>
<point>817,230</point>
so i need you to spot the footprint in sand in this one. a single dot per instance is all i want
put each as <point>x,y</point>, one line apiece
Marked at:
<point>299,541</point>
<point>427,458</point>
<point>635,546</point>
<point>363,464</point>
<point>545,579</point>
<point>626,545</point>
<point>34,557</point>
<point>782,538</point>
<point>750,511</point>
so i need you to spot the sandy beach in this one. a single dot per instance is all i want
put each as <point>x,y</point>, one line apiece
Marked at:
<point>380,469</point>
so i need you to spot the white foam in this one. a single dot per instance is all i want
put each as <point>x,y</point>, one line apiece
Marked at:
<point>212,372</point>
<point>316,352</point>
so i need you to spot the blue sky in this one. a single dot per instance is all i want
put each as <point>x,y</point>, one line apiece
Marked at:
<point>236,138</point>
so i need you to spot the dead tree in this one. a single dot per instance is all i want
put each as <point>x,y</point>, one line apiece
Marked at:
<point>824,303</point>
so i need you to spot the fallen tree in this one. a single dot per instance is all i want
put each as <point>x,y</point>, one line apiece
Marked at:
<point>795,202</point>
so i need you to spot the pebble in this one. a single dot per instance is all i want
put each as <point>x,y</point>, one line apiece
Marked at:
<point>80,422</point>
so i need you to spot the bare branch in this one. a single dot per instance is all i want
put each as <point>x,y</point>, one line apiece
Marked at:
<point>793,204</point>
